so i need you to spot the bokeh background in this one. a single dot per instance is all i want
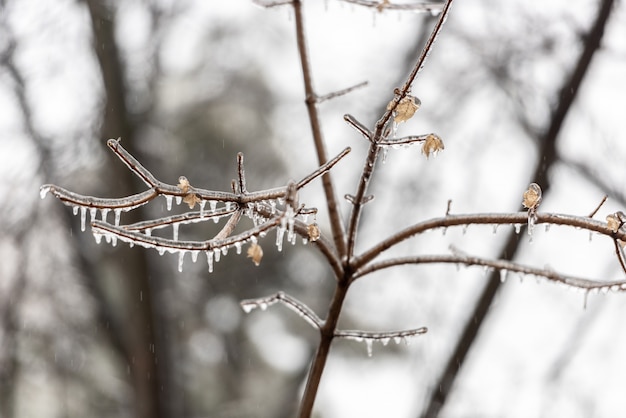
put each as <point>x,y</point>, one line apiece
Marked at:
<point>94,330</point>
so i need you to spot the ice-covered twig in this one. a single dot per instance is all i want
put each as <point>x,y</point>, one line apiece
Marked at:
<point>270,4</point>
<point>407,140</point>
<point>323,168</point>
<point>362,129</point>
<point>593,213</point>
<point>383,337</point>
<point>339,93</point>
<point>502,265</point>
<point>581,222</point>
<point>292,303</point>
<point>387,5</point>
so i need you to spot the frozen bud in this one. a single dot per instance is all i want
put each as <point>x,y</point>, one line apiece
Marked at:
<point>255,252</point>
<point>314,232</point>
<point>432,145</point>
<point>532,196</point>
<point>183,184</point>
<point>191,199</point>
<point>613,222</point>
<point>405,109</point>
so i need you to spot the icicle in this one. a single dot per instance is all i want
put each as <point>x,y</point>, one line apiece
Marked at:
<point>407,340</point>
<point>175,227</point>
<point>118,213</point>
<point>547,227</point>
<point>368,344</point>
<point>83,216</point>
<point>179,200</point>
<point>503,273</point>
<point>385,340</point>
<point>75,210</point>
<point>216,219</point>
<point>213,205</point>
<point>495,228</point>
<point>384,152</point>
<point>218,253</point>
<point>238,247</point>
<point>518,228</point>
<point>465,228</point>
<point>444,230</point>
<point>148,232</point>
<point>161,250</point>
<point>585,299</point>
<point>97,237</point>
<point>202,205</point>
<point>209,259</point>
<point>114,240</point>
<point>248,307</point>
<point>590,236</point>
<point>168,202</point>
<point>103,213</point>
<point>194,256</point>
<point>229,205</point>
<point>280,231</point>
<point>394,129</point>
<point>181,260</point>
<point>225,250</point>
<point>93,212</point>
<point>397,339</point>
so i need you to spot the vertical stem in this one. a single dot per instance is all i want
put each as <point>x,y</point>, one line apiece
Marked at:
<point>319,362</point>
<point>320,147</point>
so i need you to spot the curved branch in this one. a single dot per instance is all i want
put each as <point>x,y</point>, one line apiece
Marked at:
<point>582,222</point>
<point>502,265</point>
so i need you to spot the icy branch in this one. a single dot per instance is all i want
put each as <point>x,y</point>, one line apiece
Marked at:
<point>339,93</point>
<point>383,337</point>
<point>502,265</point>
<point>388,5</point>
<point>292,303</point>
<point>582,222</point>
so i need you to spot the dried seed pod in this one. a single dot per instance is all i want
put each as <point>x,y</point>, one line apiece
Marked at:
<point>405,109</point>
<point>314,232</point>
<point>255,252</point>
<point>183,184</point>
<point>432,145</point>
<point>191,199</point>
<point>532,197</point>
<point>613,222</point>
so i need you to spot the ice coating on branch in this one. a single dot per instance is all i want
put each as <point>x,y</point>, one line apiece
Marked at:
<point>118,214</point>
<point>209,259</point>
<point>103,213</point>
<point>43,191</point>
<point>202,205</point>
<point>175,227</point>
<point>179,200</point>
<point>213,205</point>
<point>194,256</point>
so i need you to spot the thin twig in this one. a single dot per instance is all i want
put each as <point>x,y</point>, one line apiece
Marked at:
<point>292,303</point>
<point>502,265</point>
<point>520,218</point>
<point>336,222</point>
<point>592,214</point>
<point>339,93</point>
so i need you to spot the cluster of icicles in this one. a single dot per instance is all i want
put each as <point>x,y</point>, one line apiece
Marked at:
<point>213,255</point>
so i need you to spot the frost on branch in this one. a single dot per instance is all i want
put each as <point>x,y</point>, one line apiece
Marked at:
<point>267,209</point>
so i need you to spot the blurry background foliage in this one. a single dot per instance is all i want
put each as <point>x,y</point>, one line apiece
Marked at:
<point>89,330</point>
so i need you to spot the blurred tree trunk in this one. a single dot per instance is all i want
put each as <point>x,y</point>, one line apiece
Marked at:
<point>146,368</point>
